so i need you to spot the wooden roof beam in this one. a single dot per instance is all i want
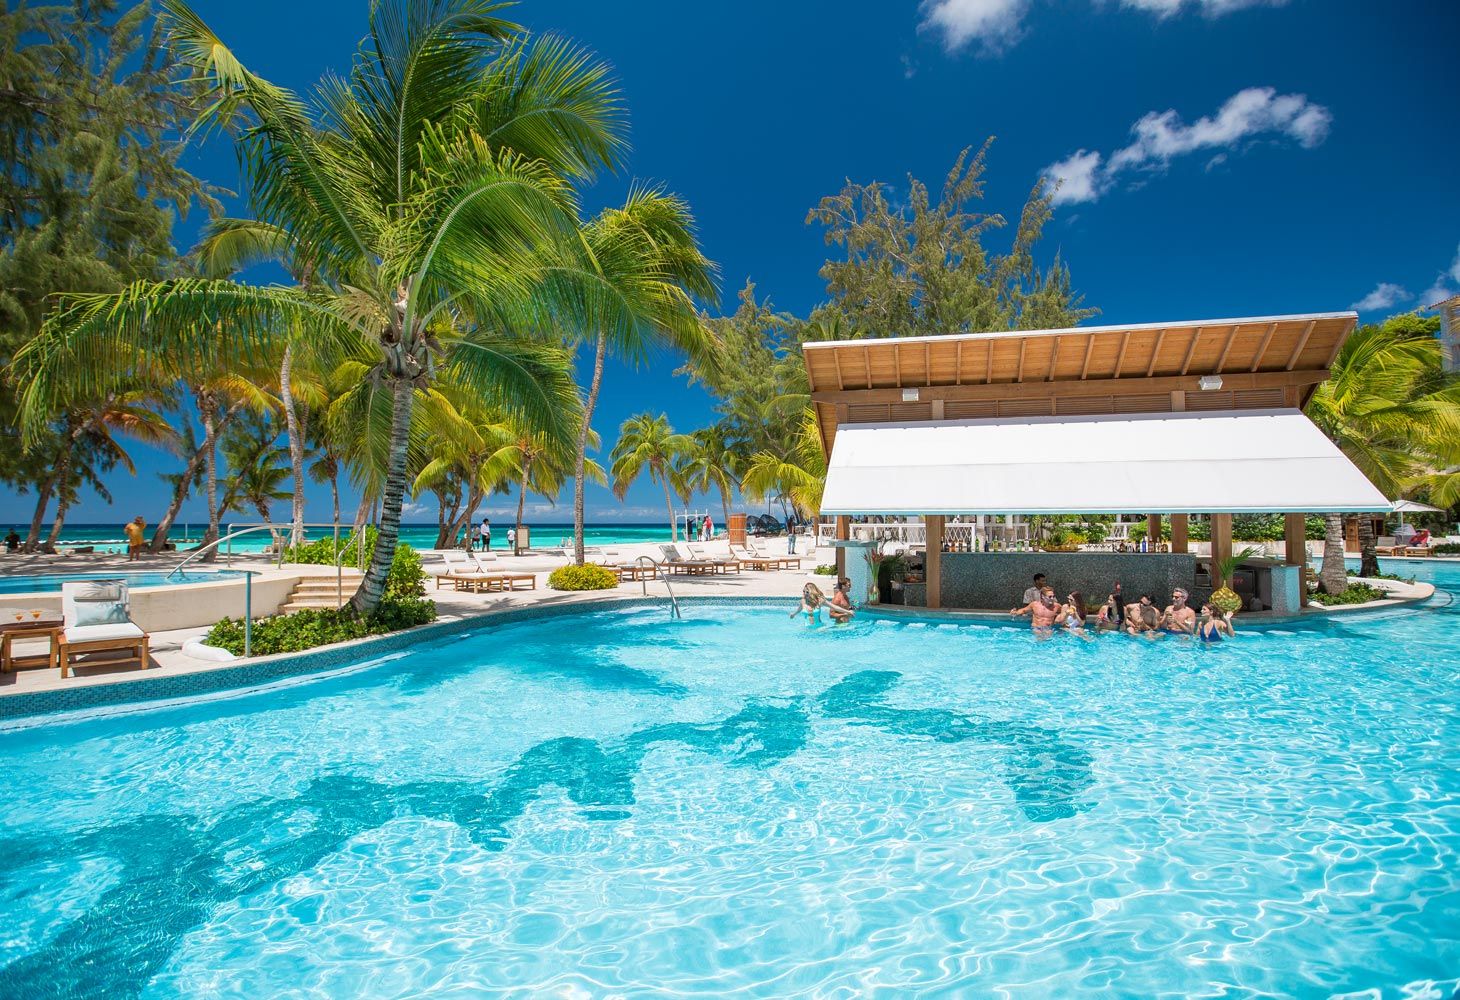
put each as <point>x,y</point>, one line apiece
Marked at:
<point>1155,353</point>
<point>1054,357</point>
<point>958,363</point>
<point>1190,350</point>
<point>1120,358</point>
<point>1019,374</point>
<point>1302,343</point>
<point>1089,349</point>
<point>841,382</point>
<point>1226,349</point>
<point>1266,339</point>
<point>927,363</point>
<point>867,362</point>
<point>988,373</point>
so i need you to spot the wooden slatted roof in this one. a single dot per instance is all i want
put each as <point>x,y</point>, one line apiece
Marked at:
<point>1128,359</point>
<point>1146,350</point>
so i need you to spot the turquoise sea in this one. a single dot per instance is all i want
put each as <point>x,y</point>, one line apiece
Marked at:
<point>109,537</point>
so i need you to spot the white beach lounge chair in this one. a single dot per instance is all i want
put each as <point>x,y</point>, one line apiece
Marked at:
<point>97,618</point>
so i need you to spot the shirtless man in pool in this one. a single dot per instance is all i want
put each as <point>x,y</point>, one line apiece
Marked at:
<point>1178,618</point>
<point>1042,613</point>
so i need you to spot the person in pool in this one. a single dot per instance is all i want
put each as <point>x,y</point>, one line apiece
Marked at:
<point>812,600</point>
<point>1073,614</point>
<point>1214,625</point>
<point>1141,617</point>
<point>1178,618</point>
<point>840,608</point>
<point>1043,613</point>
<point>1111,616</point>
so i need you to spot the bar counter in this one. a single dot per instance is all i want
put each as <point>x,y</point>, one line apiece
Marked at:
<point>996,580</point>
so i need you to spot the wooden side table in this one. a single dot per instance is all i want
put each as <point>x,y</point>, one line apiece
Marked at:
<point>49,629</point>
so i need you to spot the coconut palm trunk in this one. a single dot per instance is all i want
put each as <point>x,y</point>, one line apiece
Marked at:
<point>296,445</point>
<point>42,501</point>
<point>669,506</point>
<point>63,504</point>
<point>522,504</point>
<point>179,495</point>
<point>1332,574</point>
<point>372,587</point>
<point>208,403</point>
<point>580,460</point>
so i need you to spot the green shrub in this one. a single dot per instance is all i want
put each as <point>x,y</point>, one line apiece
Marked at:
<point>825,571</point>
<point>585,577</point>
<point>1447,549</point>
<point>317,627</point>
<point>407,578</point>
<point>1357,593</point>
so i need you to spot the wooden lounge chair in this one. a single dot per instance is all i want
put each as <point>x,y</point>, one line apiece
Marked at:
<point>674,562</point>
<point>697,553</point>
<point>461,567</point>
<point>97,619</point>
<point>1385,546</point>
<point>766,561</point>
<point>494,583</point>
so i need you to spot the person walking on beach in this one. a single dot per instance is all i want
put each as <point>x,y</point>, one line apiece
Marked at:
<point>791,533</point>
<point>136,530</point>
<point>486,533</point>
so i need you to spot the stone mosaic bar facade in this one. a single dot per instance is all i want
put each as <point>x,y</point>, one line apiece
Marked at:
<point>997,579</point>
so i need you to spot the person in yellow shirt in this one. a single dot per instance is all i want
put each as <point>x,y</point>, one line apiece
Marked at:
<point>136,529</point>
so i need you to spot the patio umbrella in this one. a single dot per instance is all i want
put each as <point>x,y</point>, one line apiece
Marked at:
<point>1414,507</point>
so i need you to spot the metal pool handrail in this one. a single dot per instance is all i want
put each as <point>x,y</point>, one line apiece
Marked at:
<point>673,601</point>
<point>202,550</point>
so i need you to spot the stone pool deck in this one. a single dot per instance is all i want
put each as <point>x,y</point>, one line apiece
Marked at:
<point>453,605</point>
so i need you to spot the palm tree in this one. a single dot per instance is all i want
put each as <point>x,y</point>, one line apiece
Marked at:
<point>632,294</point>
<point>708,463</point>
<point>470,447</point>
<point>1385,408</point>
<point>423,189</point>
<point>800,475</point>
<point>648,443</point>
<point>543,467</point>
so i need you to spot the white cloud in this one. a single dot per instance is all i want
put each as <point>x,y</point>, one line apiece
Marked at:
<point>1385,295</point>
<point>995,24</point>
<point>1442,289</point>
<point>998,24</point>
<point>1076,178</point>
<point>1209,8</point>
<point>1161,136</point>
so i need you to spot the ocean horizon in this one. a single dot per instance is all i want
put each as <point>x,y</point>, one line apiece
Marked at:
<point>545,534</point>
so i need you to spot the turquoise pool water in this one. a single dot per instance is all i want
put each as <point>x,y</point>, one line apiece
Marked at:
<point>41,583</point>
<point>616,804</point>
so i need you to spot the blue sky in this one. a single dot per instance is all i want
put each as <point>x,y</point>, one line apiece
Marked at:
<point>1218,157</point>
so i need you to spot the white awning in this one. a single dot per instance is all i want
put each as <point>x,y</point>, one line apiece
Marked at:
<point>1248,461</point>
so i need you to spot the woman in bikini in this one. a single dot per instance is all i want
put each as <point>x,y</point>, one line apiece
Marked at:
<point>1214,625</point>
<point>812,601</point>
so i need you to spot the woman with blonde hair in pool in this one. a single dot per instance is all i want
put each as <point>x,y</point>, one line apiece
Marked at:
<point>812,601</point>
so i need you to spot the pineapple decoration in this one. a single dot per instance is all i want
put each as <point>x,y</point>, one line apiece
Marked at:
<point>1224,598</point>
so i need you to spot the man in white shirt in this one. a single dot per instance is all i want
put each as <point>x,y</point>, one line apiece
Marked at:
<point>1031,594</point>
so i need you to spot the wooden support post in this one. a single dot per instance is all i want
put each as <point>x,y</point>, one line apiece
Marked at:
<point>843,532</point>
<point>933,559</point>
<point>1221,539</point>
<point>1295,539</point>
<point>1179,524</point>
<point>1153,531</point>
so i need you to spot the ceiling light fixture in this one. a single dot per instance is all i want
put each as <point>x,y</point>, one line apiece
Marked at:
<point>1210,382</point>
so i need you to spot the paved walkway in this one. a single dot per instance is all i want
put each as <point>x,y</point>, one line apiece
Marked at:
<point>167,647</point>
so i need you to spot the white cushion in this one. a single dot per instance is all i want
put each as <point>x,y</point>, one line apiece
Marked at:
<point>98,613</point>
<point>97,633</point>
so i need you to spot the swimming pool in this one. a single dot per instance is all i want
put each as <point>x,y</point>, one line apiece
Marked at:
<point>44,583</point>
<point>614,803</point>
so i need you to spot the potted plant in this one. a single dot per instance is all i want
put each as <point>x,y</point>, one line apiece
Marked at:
<point>1224,598</point>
